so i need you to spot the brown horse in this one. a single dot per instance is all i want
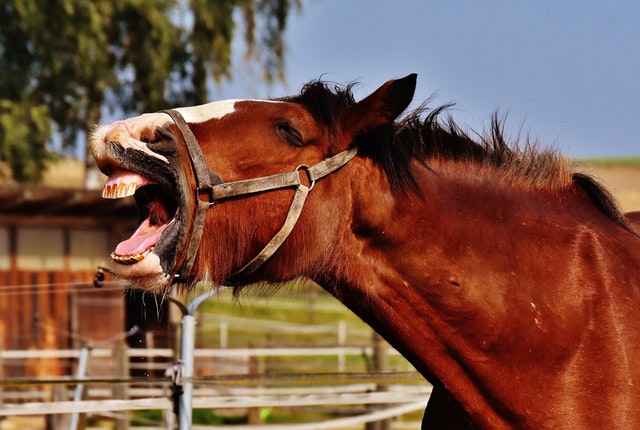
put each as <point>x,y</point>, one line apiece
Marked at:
<point>510,281</point>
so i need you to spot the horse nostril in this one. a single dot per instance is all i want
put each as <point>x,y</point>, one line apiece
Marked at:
<point>150,137</point>
<point>161,141</point>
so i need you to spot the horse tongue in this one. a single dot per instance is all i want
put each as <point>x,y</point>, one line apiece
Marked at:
<point>144,238</point>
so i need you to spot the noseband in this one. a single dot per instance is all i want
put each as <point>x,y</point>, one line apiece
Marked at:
<point>210,188</point>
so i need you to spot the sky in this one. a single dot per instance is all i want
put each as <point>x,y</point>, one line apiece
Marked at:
<point>565,73</point>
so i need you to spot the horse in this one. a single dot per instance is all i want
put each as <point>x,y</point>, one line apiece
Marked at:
<point>634,219</point>
<point>507,277</point>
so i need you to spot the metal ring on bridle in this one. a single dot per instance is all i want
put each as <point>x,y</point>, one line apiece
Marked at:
<point>312,182</point>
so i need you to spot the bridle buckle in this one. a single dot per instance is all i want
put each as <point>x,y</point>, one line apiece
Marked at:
<point>205,195</point>
<point>309,178</point>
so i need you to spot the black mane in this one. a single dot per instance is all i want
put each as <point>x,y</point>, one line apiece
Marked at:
<point>424,136</point>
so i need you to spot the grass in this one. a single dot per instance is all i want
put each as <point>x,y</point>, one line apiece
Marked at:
<point>199,417</point>
<point>302,304</point>
<point>272,321</point>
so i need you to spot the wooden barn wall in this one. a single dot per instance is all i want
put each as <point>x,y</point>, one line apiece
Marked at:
<point>54,310</point>
<point>47,298</point>
<point>5,250</point>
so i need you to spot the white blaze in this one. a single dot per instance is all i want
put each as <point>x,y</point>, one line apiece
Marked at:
<point>213,110</point>
<point>203,113</point>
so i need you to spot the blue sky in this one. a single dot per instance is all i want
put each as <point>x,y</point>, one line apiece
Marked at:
<point>566,73</point>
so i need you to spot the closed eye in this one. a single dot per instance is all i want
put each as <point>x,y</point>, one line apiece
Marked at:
<point>291,135</point>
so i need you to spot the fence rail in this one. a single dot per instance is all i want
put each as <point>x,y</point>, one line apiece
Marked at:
<point>213,402</point>
<point>404,391</point>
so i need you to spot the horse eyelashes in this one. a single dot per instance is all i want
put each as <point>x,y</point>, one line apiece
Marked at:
<point>291,135</point>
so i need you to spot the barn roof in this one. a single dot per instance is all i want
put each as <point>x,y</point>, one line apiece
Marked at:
<point>21,204</point>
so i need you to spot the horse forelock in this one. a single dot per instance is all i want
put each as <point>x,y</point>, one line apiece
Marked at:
<point>324,101</point>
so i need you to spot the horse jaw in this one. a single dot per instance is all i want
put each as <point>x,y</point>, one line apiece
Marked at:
<point>147,274</point>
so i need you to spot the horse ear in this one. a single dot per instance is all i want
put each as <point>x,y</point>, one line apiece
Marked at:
<point>379,108</point>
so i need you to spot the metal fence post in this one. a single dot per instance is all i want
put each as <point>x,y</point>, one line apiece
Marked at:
<point>187,344</point>
<point>77,394</point>
<point>182,373</point>
<point>121,391</point>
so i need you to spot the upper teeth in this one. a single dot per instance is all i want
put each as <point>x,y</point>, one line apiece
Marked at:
<point>118,190</point>
<point>123,183</point>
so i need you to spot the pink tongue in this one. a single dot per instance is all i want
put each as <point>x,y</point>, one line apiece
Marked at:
<point>145,237</point>
<point>126,177</point>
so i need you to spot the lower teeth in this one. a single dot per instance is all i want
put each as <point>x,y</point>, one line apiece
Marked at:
<point>126,259</point>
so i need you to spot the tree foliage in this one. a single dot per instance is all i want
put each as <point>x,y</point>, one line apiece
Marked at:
<point>62,62</point>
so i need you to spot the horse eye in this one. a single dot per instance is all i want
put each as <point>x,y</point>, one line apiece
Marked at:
<point>291,135</point>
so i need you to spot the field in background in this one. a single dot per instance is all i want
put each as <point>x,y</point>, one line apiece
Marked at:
<point>620,175</point>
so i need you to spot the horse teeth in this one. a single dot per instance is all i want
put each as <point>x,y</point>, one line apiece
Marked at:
<point>118,191</point>
<point>127,259</point>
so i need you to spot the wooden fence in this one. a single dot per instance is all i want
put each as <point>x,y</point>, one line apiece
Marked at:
<point>226,379</point>
<point>339,371</point>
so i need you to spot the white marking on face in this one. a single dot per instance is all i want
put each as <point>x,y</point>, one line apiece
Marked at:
<point>203,113</point>
<point>214,110</point>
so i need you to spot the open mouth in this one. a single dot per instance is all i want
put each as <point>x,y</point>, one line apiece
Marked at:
<point>157,212</point>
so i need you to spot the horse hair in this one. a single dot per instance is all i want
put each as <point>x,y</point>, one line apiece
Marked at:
<point>423,136</point>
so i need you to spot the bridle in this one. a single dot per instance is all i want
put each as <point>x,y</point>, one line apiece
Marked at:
<point>210,188</point>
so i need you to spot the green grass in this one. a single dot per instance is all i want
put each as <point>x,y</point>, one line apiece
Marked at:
<point>199,417</point>
<point>307,305</point>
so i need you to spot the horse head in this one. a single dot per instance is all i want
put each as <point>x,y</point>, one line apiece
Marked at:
<point>193,172</point>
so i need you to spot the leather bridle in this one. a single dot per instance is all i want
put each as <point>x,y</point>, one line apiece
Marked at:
<point>210,188</point>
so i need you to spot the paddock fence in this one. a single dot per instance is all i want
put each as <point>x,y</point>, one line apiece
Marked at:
<point>345,384</point>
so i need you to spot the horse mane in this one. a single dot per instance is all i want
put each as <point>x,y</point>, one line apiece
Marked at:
<point>423,136</point>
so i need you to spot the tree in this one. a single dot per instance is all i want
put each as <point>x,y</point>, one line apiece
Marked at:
<point>21,122</point>
<point>63,62</point>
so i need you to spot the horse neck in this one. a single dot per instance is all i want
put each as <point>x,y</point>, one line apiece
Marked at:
<point>452,278</point>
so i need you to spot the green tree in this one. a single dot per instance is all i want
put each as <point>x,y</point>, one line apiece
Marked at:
<point>62,62</point>
<point>21,122</point>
